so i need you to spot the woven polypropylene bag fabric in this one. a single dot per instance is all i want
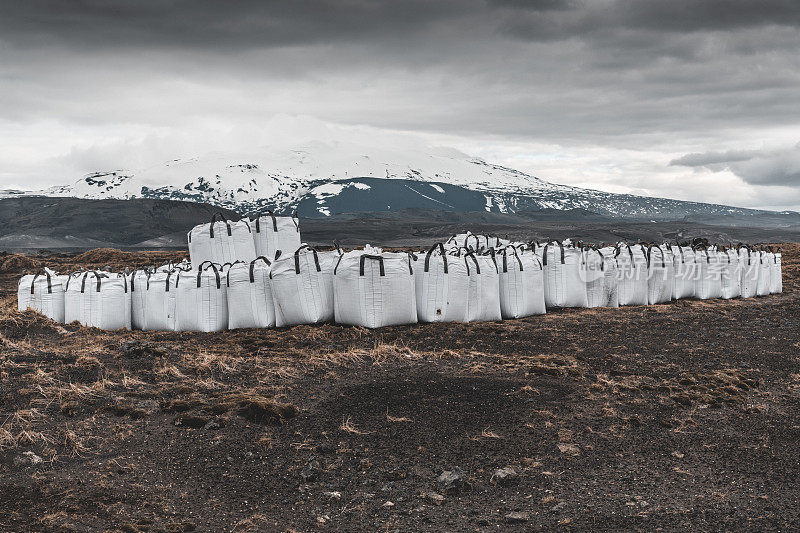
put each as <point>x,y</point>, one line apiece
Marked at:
<point>374,290</point>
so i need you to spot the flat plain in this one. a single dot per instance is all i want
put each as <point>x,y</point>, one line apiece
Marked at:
<point>676,416</point>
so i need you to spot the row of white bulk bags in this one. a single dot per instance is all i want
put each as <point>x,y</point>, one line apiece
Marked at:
<point>483,290</point>
<point>221,241</point>
<point>201,302</point>
<point>441,286</point>
<point>249,293</point>
<point>98,299</point>
<point>521,284</point>
<point>374,290</point>
<point>43,292</point>
<point>272,234</point>
<point>564,278</point>
<point>660,275</point>
<point>302,286</point>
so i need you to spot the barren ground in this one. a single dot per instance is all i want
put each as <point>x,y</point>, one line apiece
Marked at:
<point>676,416</point>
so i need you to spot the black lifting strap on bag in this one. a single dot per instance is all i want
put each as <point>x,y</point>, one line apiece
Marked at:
<point>49,284</point>
<point>200,273</point>
<point>474,260</point>
<point>297,258</point>
<point>252,268</point>
<point>440,246</point>
<point>228,273</point>
<point>505,257</point>
<point>99,277</point>
<point>214,219</point>
<point>650,252</point>
<point>602,259</point>
<point>364,258</point>
<point>133,277</point>
<point>544,252</point>
<point>272,215</point>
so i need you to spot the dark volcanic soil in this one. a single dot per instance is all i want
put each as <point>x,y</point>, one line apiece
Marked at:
<point>676,416</point>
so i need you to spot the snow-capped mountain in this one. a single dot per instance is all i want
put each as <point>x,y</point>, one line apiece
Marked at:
<point>323,178</point>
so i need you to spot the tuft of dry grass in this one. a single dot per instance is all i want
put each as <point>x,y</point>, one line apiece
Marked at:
<point>348,427</point>
<point>391,418</point>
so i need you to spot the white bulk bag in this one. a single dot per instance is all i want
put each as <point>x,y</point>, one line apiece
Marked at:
<point>776,273</point>
<point>374,290</point>
<point>302,287</point>
<point>564,277</point>
<point>138,284</point>
<point>201,302</point>
<point>521,284</point>
<point>42,292</point>
<point>611,279</point>
<point>594,271</point>
<point>764,273</point>
<point>160,300</point>
<point>483,293</point>
<point>249,291</point>
<point>99,300</point>
<point>683,263</point>
<point>441,286</point>
<point>631,275</point>
<point>221,242</point>
<point>730,277</point>
<point>708,284</point>
<point>749,266</point>
<point>272,234</point>
<point>660,275</point>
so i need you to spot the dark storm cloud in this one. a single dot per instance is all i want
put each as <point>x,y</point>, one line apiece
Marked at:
<point>249,23</point>
<point>779,167</point>
<point>713,158</point>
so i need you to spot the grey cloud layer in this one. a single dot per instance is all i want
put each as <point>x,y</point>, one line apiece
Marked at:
<point>692,77</point>
<point>758,167</point>
<point>248,23</point>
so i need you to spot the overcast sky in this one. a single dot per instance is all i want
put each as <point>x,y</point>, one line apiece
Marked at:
<point>690,99</point>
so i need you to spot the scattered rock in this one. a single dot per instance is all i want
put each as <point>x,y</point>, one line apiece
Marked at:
<point>678,454</point>
<point>434,497</point>
<point>388,504</point>
<point>451,481</point>
<point>557,508</point>
<point>28,459</point>
<point>505,476</point>
<point>483,521</point>
<point>568,449</point>
<point>333,495</point>
<point>311,471</point>
<point>517,517</point>
<point>212,425</point>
